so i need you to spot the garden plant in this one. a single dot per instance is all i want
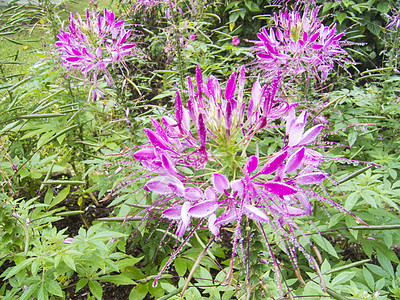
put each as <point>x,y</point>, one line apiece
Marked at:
<point>243,149</point>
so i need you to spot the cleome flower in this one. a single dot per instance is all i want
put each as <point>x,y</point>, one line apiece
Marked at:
<point>197,166</point>
<point>299,44</point>
<point>89,47</point>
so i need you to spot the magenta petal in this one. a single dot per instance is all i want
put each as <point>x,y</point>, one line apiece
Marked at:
<point>168,165</point>
<point>251,164</point>
<point>304,202</point>
<point>173,213</point>
<point>295,160</point>
<point>202,132</point>
<point>254,213</point>
<point>210,194</point>
<point>274,163</point>
<point>193,194</point>
<point>226,217</point>
<point>220,182</point>
<point>311,178</point>
<point>211,225</point>
<point>180,231</point>
<point>144,154</point>
<point>164,185</point>
<point>155,140</point>
<point>178,108</point>
<point>184,213</point>
<point>230,87</point>
<point>295,135</point>
<point>203,209</point>
<point>311,134</point>
<point>238,186</point>
<point>295,212</point>
<point>279,188</point>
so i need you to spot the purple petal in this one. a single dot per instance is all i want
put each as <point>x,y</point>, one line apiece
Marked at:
<point>202,132</point>
<point>226,217</point>
<point>251,164</point>
<point>211,225</point>
<point>193,194</point>
<point>238,186</point>
<point>144,154</point>
<point>168,165</point>
<point>178,109</point>
<point>311,178</point>
<point>279,188</point>
<point>304,202</point>
<point>155,140</point>
<point>173,213</point>
<point>185,213</point>
<point>296,132</point>
<point>295,160</point>
<point>254,213</point>
<point>295,212</point>
<point>230,87</point>
<point>160,130</point>
<point>203,209</point>
<point>311,134</point>
<point>274,163</point>
<point>164,185</point>
<point>220,182</point>
<point>210,194</point>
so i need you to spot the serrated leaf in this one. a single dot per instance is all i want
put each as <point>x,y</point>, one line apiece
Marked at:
<point>19,267</point>
<point>53,287</point>
<point>69,262</point>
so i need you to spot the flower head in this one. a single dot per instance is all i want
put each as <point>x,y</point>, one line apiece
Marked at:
<point>215,131</point>
<point>235,41</point>
<point>297,44</point>
<point>90,47</point>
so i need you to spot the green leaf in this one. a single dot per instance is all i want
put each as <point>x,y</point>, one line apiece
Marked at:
<point>69,262</point>
<point>61,196</point>
<point>124,263</point>
<point>19,267</point>
<point>81,283</point>
<point>383,7</point>
<point>343,277</point>
<point>180,266</point>
<point>341,16</point>
<point>351,200</point>
<point>53,288</point>
<point>117,279</point>
<point>29,291</point>
<point>369,279</point>
<point>138,292</point>
<point>49,196</point>
<point>96,289</point>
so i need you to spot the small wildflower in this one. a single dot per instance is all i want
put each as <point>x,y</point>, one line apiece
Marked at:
<point>235,41</point>
<point>89,47</point>
<point>68,240</point>
<point>192,37</point>
<point>297,44</point>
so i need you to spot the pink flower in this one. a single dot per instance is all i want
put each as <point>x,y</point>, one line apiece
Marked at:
<point>90,47</point>
<point>192,37</point>
<point>235,41</point>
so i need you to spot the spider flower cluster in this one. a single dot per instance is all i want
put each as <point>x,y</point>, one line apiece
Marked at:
<point>297,44</point>
<point>89,47</point>
<point>198,163</point>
